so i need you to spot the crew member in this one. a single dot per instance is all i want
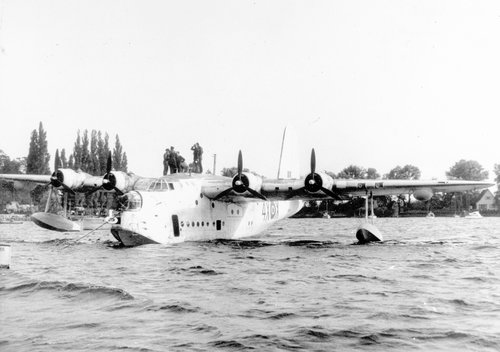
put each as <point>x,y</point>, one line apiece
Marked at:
<point>172,161</point>
<point>166,158</point>
<point>181,163</point>
<point>197,151</point>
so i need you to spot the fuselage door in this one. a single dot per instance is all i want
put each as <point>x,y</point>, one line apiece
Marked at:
<point>175,225</point>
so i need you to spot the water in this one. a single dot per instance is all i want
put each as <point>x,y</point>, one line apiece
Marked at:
<point>301,286</point>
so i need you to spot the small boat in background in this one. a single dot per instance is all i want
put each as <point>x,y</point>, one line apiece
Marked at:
<point>473,215</point>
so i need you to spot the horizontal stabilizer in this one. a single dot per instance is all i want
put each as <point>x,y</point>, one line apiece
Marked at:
<point>55,222</point>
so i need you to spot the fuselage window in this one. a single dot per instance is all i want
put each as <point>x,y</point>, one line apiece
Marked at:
<point>198,224</point>
<point>192,223</point>
<point>202,223</point>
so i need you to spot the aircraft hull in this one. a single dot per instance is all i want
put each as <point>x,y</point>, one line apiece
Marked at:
<point>206,220</point>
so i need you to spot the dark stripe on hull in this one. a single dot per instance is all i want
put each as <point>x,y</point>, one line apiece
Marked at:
<point>129,238</point>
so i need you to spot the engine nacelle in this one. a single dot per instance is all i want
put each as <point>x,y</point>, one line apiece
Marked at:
<point>68,177</point>
<point>248,180</point>
<point>117,179</point>
<point>423,194</point>
<point>314,182</point>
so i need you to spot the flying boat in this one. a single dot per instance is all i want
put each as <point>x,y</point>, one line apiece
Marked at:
<point>199,207</point>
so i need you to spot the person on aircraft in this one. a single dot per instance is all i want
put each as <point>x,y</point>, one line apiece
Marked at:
<point>197,151</point>
<point>166,158</point>
<point>172,161</point>
<point>200,153</point>
<point>181,162</point>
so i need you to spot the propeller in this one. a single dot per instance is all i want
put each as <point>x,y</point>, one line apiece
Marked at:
<point>57,178</point>
<point>313,182</point>
<point>241,183</point>
<point>108,180</point>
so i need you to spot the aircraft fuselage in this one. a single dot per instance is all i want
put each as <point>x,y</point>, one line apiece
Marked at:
<point>179,211</point>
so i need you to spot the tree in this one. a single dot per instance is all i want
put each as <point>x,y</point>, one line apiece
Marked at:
<point>117,154</point>
<point>85,161</point>
<point>372,173</point>
<point>496,170</point>
<point>77,152</point>
<point>57,160</point>
<point>38,156</point>
<point>103,151</point>
<point>95,168</point>
<point>8,166</point>
<point>124,162</point>
<point>352,171</point>
<point>119,157</point>
<point>31,160</point>
<point>467,170</point>
<point>408,172</point>
<point>43,152</point>
<point>64,161</point>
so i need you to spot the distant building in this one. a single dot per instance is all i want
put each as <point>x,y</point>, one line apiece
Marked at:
<point>486,201</point>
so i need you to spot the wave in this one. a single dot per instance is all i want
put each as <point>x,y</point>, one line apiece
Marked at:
<point>230,345</point>
<point>75,289</point>
<point>174,308</point>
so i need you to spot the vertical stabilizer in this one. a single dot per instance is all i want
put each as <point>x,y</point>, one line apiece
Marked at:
<point>288,167</point>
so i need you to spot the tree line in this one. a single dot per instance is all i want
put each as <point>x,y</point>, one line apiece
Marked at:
<point>89,153</point>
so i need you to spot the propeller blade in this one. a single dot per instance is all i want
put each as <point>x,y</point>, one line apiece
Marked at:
<point>240,163</point>
<point>330,193</point>
<point>256,194</point>
<point>313,161</point>
<point>66,188</point>
<point>118,191</point>
<point>223,193</point>
<point>109,164</point>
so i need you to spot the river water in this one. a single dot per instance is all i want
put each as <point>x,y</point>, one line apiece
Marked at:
<point>434,284</point>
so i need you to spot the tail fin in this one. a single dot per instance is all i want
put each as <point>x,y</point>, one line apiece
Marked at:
<point>288,167</point>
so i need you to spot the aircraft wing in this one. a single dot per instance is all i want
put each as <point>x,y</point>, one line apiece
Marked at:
<point>321,186</point>
<point>341,189</point>
<point>318,185</point>
<point>41,179</point>
<point>68,179</point>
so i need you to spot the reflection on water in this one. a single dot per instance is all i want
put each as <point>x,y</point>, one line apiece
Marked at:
<point>302,285</point>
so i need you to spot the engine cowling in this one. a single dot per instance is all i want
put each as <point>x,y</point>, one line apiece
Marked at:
<point>246,180</point>
<point>116,180</point>
<point>68,177</point>
<point>423,194</point>
<point>317,180</point>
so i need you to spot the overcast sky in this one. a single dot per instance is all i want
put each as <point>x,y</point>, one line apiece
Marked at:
<point>370,83</point>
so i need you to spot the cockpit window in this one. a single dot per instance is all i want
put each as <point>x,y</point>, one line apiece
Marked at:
<point>134,201</point>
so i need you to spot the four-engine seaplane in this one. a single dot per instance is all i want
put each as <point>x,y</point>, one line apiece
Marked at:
<point>195,207</point>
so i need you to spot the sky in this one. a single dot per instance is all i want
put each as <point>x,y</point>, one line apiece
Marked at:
<point>369,83</point>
